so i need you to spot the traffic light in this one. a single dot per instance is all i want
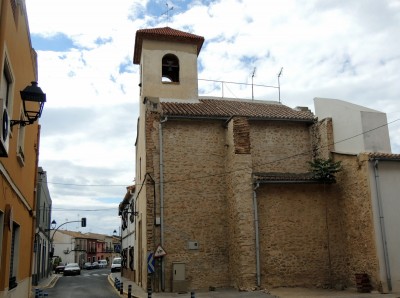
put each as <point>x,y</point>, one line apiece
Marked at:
<point>83,222</point>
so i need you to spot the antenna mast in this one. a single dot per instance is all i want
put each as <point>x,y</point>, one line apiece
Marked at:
<point>279,84</point>
<point>167,12</point>
<point>252,85</point>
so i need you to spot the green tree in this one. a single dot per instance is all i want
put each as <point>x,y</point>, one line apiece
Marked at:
<point>324,170</point>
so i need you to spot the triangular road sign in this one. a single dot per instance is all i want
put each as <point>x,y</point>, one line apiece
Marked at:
<point>160,252</point>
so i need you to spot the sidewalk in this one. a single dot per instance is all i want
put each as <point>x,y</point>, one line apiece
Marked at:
<point>138,292</point>
<point>45,283</point>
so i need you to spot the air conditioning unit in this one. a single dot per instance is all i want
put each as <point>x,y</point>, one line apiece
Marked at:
<point>5,129</point>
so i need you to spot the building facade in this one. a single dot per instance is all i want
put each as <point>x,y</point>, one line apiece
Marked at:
<point>367,146</point>
<point>19,150</point>
<point>128,215</point>
<point>224,192</point>
<point>42,245</point>
<point>77,247</point>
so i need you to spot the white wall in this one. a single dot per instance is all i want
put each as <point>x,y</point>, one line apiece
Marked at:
<point>355,128</point>
<point>63,242</point>
<point>386,193</point>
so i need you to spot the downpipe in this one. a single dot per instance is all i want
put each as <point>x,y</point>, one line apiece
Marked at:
<point>256,234</point>
<point>382,226</point>
<point>162,200</point>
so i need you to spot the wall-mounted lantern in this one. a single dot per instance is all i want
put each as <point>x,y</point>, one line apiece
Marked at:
<point>33,100</point>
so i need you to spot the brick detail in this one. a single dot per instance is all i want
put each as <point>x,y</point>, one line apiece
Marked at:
<point>241,135</point>
<point>322,143</point>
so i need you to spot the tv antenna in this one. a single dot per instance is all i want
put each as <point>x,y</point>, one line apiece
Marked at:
<point>167,12</point>
<point>252,85</point>
<point>279,84</point>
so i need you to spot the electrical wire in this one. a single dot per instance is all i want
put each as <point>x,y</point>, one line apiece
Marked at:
<point>236,170</point>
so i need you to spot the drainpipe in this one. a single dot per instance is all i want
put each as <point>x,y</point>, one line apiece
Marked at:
<point>382,226</point>
<point>162,201</point>
<point>256,234</point>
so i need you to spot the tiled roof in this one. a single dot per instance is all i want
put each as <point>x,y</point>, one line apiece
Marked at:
<point>285,178</point>
<point>164,34</point>
<point>221,108</point>
<point>381,155</point>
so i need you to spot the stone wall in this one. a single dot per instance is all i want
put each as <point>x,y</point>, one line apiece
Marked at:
<point>310,234</point>
<point>240,210</point>
<point>195,202</point>
<point>354,201</point>
<point>294,236</point>
<point>280,146</point>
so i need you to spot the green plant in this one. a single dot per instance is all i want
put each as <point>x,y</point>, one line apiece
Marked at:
<point>325,169</point>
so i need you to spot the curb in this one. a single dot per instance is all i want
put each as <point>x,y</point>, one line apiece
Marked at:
<point>111,281</point>
<point>52,282</point>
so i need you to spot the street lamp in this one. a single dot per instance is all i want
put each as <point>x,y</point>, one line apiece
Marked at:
<point>53,224</point>
<point>33,100</point>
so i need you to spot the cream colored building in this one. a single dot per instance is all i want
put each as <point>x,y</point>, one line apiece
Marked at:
<point>224,195</point>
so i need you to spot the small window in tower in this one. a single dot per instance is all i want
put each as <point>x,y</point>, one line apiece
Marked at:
<point>170,68</point>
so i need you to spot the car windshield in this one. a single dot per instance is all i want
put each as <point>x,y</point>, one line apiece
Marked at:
<point>71,265</point>
<point>117,261</point>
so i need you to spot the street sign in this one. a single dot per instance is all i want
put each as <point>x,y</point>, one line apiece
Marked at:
<point>150,262</point>
<point>160,252</point>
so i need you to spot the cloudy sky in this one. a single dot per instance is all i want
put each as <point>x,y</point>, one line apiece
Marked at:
<point>347,50</point>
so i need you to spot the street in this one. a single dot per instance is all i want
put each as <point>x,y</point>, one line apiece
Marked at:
<point>91,283</point>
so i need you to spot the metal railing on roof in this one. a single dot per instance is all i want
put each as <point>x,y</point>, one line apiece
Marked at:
<point>243,88</point>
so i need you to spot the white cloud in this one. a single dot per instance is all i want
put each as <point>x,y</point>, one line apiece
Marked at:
<point>338,49</point>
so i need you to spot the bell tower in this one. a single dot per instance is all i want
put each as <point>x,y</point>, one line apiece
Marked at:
<point>168,63</point>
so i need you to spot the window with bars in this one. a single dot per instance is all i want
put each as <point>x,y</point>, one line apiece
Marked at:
<point>14,256</point>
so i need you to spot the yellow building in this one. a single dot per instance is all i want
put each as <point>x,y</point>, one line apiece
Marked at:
<point>19,149</point>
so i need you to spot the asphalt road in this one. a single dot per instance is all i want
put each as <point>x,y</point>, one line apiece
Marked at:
<point>90,284</point>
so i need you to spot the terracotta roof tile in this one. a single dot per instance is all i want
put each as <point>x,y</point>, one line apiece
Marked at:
<point>285,178</point>
<point>164,34</point>
<point>221,108</point>
<point>381,155</point>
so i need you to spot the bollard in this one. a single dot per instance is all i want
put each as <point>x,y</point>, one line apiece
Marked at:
<point>121,288</point>
<point>192,295</point>
<point>148,293</point>
<point>129,291</point>
<point>45,294</point>
<point>118,283</point>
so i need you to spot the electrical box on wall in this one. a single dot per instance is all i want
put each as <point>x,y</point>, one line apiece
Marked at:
<point>193,245</point>
<point>158,221</point>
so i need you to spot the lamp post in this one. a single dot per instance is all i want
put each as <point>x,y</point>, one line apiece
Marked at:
<point>33,100</point>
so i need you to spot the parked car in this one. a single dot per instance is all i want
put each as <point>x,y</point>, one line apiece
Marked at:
<point>72,269</point>
<point>95,265</point>
<point>116,265</point>
<point>103,263</point>
<point>87,266</point>
<point>59,268</point>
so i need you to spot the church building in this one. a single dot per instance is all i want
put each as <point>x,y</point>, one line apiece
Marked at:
<point>224,195</point>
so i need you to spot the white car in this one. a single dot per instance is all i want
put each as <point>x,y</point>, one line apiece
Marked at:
<point>103,263</point>
<point>116,265</point>
<point>72,269</point>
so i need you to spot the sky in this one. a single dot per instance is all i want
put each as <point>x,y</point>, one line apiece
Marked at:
<point>347,50</point>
